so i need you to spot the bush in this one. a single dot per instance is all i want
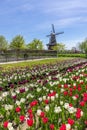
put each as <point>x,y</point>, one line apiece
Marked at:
<point>72,55</point>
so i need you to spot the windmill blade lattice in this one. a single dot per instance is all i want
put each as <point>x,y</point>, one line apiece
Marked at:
<point>59,33</point>
<point>53,28</point>
<point>52,39</point>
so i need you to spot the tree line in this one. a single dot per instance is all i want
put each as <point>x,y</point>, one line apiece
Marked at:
<point>18,42</point>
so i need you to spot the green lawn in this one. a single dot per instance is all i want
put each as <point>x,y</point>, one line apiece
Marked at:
<point>32,63</point>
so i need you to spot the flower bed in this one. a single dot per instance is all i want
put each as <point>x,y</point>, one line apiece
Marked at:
<point>48,97</point>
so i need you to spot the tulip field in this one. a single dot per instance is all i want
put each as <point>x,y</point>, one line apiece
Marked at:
<point>44,97</point>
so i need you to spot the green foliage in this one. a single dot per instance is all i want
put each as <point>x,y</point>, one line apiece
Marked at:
<point>72,55</point>
<point>35,45</point>
<point>17,42</point>
<point>83,46</point>
<point>59,47</point>
<point>3,43</point>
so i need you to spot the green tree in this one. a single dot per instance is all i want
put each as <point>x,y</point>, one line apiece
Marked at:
<point>59,47</point>
<point>17,43</point>
<point>83,46</point>
<point>3,43</point>
<point>36,44</point>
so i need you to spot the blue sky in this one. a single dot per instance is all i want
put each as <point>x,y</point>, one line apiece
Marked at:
<point>33,19</point>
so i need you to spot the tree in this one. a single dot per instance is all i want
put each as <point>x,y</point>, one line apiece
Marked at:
<point>59,47</point>
<point>17,43</point>
<point>83,46</point>
<point>3,43</point>
<point>36,44</point>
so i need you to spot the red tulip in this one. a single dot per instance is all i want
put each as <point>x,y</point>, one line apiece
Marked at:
<point>22,118</point>
<point>51,126</point>
<point>5,124</point>
<point>45,120</point>
<point>63,127</point>
<point>30,122</point>
<point>42,114</point>
<point>71,121</point>
<point>18,109</point>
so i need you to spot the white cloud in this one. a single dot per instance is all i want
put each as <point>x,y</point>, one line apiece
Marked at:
<point>62,22</point>
<point>63,6</point>
<point>73,43</point>
<point>9,7</point>
<point>65,22</point>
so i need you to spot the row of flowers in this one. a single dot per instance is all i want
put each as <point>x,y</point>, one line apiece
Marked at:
<point>57,102</point>
<point>17,76</point>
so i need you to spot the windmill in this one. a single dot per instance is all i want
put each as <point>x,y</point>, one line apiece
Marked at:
<point>52,39</point>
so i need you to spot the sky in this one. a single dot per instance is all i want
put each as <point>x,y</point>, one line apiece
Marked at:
<point>33,19</point>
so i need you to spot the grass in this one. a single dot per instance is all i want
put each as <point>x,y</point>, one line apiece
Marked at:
<point>32,63</point>
<point>72,55</point>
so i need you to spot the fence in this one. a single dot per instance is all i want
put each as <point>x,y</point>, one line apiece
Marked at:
<point>17,55</point>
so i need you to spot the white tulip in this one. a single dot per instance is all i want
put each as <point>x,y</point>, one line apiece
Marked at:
<point>38,89</point>
<point>62,90</point>
<point>0,98</point>
<point>10,107</point>
<point>48,98</point>
<point>40,99</point>
<point>57,109</point>
<point>52,98</point>
<point>66,105</point>
<point>81,113</point>
<point>61,102</point>
<point>13,94</point>
<point>44,97</point>
<point>47,108</point>
<point>68,126</point>
<point>4,94</point>
<point>39,112</point>
<point>51,91</point>
<point>74,98</point>
<point>71,109</point>
<point>22,100</point>
<point>18,103</point>
<point>17,91</point>
<point>26,89</point>
<point>9,125</point>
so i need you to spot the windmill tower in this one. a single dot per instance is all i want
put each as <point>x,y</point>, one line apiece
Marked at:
<point>52,39</point>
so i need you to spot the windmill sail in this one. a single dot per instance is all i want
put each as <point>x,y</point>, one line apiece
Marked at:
<point>59,33</point>
<point>52,39</point>
<point>53,28</point>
